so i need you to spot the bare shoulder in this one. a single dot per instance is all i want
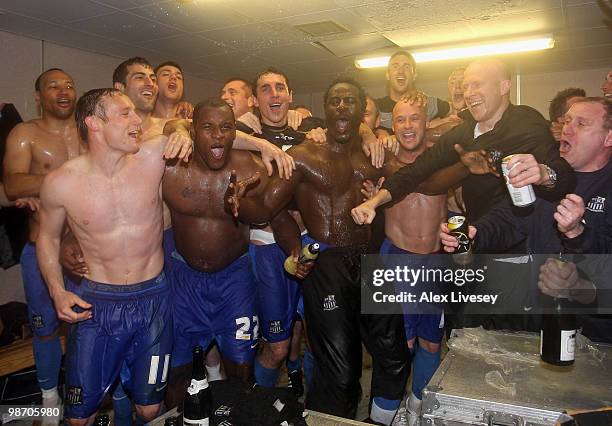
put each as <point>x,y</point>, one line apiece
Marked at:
<point>24,131</point>
<point>154,143</point>
<point>72,174</point>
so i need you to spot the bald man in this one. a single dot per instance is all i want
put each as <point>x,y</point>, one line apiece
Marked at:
<point>493,123</point>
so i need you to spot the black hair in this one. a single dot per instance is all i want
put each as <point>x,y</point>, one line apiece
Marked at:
<point>40,77</point>
<point>210,103</point>
<point>558,104</point>
<point>352,82</point>
<point>121,72</point>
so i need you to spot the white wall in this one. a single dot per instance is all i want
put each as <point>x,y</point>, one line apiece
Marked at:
<point>25,58</point>
<point>536,90</point>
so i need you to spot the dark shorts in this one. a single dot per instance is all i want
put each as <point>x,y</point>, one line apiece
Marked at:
<point>218,306</point>
<point>429,326</point>
<point>129,336</point>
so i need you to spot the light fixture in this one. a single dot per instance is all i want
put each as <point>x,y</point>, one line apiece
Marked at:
<point>501,47</point>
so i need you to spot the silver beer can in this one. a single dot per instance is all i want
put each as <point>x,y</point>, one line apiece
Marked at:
<point>521,197</point>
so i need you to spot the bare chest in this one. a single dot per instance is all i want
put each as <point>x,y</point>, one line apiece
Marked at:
<point>104,205</point>
<point>193,193</point>
<point>50,151</point>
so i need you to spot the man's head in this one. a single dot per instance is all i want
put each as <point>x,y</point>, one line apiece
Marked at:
<point>401,73</point>
<point>371,116</point>
<point>455,89</point>
<point>486,90</point>
<point>135,77</point>
<point>562,101</point>
<point>214,130</point>
<point>273,96</point>
<point>108,115</point>
<point>238,93</point>
<point>606,86</point>
<point>55,93</point>
<point>410,122</point>
<point>344,103</point>
<point>586,139</point>
<point>170,81</point>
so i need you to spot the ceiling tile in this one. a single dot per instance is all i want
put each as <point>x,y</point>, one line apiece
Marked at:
<point>357,45</point>
<point>273,9</point>
<point>506,25</point>
<point>124,27</point>
<point>397,15</point>
<point>192,17</point>
<point>294,53</point>
<point>346,18</point>
<point>59,12</point>
<point>432,34</point>
<point>234,62</point>
<point>182,46</point>
<point>254,36</point>
<point>128,4</point>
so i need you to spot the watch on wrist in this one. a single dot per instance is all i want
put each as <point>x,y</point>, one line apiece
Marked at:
<point>552,176</point>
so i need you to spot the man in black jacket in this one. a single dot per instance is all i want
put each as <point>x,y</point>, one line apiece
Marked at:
<point>493,123</point>
<point>586,144</point>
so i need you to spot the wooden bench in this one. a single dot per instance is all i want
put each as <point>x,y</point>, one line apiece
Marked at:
<point>19,355</point>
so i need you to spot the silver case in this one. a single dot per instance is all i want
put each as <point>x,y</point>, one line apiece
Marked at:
<point>457,394</point>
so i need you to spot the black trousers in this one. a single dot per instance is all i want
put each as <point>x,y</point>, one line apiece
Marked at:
<point>336,328</point>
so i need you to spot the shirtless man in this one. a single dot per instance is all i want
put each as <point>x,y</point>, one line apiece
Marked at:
<point>411,226</point>
<point>101,194</point>
<point>169,102</point>
<point>213,288</point>
<point>33,149</point>
<point>325,185</point>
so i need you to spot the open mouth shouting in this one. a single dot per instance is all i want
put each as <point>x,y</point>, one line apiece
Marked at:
<point>217,151</point>
<point>564,146</point>
<point>65,102</point>
<point>135,134</point>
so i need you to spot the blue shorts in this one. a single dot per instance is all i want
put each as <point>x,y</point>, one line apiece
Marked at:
<point>129,336</point>
<point>218,306</point>
<point>426,326</point>
<point>41,312</point>
<point>277,292</point>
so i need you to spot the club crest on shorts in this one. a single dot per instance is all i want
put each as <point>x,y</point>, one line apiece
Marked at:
<point>37,321</point>
<point>329,303</point>
<point>74,396</point>
<point>276,327</point>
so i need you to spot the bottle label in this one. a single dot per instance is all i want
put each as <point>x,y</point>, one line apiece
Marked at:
<point>568,345</point>
<point>201,422</point>
<point>196,386</point>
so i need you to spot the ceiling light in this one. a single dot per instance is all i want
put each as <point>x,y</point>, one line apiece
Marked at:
<point>468,51</point>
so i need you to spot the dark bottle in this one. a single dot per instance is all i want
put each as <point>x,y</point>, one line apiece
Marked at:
<point>198,400</point>
<point>102,420</point>
<point>558,334</point>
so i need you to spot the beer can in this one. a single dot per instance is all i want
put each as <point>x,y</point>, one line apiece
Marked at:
<point>521,197</point>
<point>458,228</point>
